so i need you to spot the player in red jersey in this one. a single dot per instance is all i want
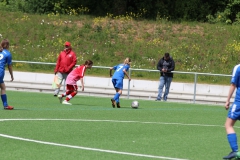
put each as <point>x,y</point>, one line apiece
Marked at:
<point>71,81</point>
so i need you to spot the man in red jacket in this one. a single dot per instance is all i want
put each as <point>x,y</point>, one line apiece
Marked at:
<point>66,61</point>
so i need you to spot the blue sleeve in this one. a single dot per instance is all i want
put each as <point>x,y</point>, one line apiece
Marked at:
<point>115,67</point>
<point>235,75</point>
<point>127,67</point>
<point>9,59</point>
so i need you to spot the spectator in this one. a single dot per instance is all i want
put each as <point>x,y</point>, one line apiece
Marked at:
<point>117,80</point>
<point>66,61</point>
<point>5,58</point>
<point>74,76</point>
<point>165,66</point>
<point>233,114</point>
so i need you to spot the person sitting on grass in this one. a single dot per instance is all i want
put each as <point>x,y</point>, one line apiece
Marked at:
<point>71,82</point>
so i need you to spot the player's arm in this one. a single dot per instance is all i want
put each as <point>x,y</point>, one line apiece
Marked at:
<point>57,63</point>
<point>172,67</point>
<point>231,90</point>
<point>125,72</point>
<point>82,84</point>
<point>74,62</point>
<point>10,71</point>
<point>110,71</point>
<point>160,66</point>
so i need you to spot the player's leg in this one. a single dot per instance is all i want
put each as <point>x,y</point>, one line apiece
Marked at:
<point>118,87</point>
<point>4,97</point>
<point>168,81</point>
<point>60,79</point>
<point>64,77</point>
<point>233,116</point>
<point>60,96</point>
<point>3,92</point>
<point>74,90</point>
<point>160,88</point>
<point>117,97</point>
<point>114,82</point>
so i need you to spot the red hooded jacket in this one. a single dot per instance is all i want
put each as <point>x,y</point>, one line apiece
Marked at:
<point>66,61</point>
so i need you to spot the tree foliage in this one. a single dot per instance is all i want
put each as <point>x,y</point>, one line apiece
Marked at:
<point>193,10</point>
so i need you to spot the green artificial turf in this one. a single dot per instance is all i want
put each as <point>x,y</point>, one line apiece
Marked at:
<point>41,128</point>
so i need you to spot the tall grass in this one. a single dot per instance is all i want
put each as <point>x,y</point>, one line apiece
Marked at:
<point>195,47</point>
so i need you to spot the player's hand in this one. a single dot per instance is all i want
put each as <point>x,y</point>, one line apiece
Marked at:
<point>110,75</point>
<point>11,79</point>
<point>227,105</point>
<point>129,79</point>
<point>82,88</point>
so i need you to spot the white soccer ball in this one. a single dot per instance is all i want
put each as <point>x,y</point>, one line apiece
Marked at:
<point>135,104</point>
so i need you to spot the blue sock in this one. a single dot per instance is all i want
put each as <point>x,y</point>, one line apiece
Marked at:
<point>117,100</point>
<point>116,97</point>
<point>4,100</point>
<point>232,139</point>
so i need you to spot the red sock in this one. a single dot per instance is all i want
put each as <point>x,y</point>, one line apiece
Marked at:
<point>71,96</point>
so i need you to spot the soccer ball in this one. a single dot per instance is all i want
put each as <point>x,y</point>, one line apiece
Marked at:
<point>135,104</point>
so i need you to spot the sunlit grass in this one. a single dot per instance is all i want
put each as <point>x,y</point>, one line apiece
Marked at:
<point>195,47</point>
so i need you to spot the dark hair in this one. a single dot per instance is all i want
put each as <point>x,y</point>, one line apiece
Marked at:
<point>166,55</point>
<point>88,62</point>
<point>4,45</point>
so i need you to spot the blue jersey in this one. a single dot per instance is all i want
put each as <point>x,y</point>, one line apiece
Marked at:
<point>5,58</point>
<point>119,74</point>
<point>236,80</point>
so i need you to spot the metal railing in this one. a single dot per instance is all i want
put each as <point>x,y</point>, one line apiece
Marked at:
<point>144,70</point>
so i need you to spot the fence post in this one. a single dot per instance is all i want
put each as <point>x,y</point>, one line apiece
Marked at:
<point>195,86</point>
<point>129,74</point>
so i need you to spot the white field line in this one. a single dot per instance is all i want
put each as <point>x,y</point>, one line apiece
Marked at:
<point>92,120</point>
<point>91,149</point>
<point>101,150</point>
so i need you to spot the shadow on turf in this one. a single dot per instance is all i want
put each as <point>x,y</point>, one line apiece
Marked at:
<point>16,109</point>
<point>102,106</point>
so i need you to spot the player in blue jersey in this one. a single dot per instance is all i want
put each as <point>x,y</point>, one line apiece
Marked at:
<point>117,80</point>
<point>233,113</point>
<point>5,58</point>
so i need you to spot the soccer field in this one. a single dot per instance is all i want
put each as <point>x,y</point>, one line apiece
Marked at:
<point>40,128</point>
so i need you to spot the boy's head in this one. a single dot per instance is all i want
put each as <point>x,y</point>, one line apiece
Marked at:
<point>88,63</point>
<point>4,44</point>
<point>127,61</point>
<point>67,46</point>
<point>166,56</point>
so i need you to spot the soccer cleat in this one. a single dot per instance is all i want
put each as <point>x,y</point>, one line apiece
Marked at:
<point>157,99</point>
<point>66,102</point>
<point>9,108</point>
<point>113,103</point>
<point>231,155</point>
<point>60,98</point>
<point>118,105</point>
<point>55,95</point>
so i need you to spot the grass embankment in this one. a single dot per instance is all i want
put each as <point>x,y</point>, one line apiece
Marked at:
<point>195,47</point>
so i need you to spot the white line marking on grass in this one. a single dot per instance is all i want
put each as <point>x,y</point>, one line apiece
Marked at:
<point>86,148</point>
<point>92,120</point>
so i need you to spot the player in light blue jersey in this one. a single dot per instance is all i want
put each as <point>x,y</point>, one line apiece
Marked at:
<point>5,59</point>
<point>233,113</point>
<point>117,80</point>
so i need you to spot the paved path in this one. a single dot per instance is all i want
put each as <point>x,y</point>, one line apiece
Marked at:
<point>139,89</point>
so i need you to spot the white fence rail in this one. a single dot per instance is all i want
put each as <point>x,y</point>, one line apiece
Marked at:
<point>193,86</point>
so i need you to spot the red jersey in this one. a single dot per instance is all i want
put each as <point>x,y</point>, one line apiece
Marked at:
<point>66,61</point>
<point>76,75</point>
